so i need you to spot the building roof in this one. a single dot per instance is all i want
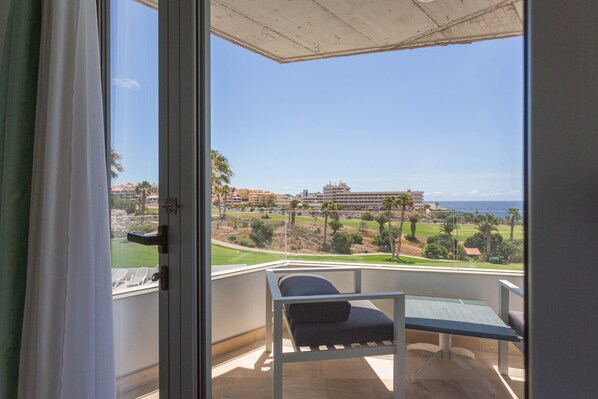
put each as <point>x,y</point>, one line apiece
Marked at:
<point>472,252</point>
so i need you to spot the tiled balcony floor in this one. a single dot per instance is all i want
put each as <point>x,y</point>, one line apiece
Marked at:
<point>245,374</point>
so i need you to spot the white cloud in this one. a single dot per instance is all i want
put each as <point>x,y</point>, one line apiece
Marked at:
<point>126,83</point>
<point>515,192</point>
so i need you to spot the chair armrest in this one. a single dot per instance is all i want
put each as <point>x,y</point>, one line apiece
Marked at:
<point>512,288</point>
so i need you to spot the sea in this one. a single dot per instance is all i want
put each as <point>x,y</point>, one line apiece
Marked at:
<point>498,208</point>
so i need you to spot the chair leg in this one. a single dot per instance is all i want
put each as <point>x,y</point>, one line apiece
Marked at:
<point>503,357</point>
<point>277,353</point>
<point>398,383</point>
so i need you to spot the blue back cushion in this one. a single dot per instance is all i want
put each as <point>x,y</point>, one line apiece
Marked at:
<point>302,285</point>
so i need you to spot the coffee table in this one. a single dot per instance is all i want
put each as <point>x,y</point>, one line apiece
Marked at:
<point>450,316</point>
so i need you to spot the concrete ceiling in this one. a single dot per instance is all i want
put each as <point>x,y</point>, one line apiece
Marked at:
<point>300,30</point>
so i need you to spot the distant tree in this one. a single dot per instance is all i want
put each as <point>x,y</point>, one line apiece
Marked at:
<point>404,201</point>
<point>435,251</point>
<point>221,173</point>
<point>363,226</point>
<point>447,228</point>
<point>389,203</point>
<point>367,216</point>
<point>328,208</point>
<point>142,190</point>
<point>381,220</point>
<point>413,220</point>
<point>261,233</point>
<point>486,226</point>
<point>357,237</point>
<point>116,166</point>
<point>335,225</point>
<point>443,240</point>
<point>293,206</point>
<point>468,217</point>
<point>513,217</point>
<point>341,243</point>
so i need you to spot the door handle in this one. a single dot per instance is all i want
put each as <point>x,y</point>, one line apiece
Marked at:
<point>160,239</point>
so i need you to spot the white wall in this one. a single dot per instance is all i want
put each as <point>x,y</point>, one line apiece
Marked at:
<point>238,302</point>
<point>135,330</point>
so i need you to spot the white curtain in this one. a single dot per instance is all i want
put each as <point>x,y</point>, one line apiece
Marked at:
<point>67,346</point>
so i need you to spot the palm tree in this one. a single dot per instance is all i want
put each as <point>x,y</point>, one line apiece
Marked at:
<point>512,218</point>
<point>327,208</point>
<point>115,166</point>
<point>142,190</point>
<point>447,228</point>
<point>223,191</point>
<point>413,219</point>
<point>486,226</point>
<point>381,220</point>
<point>388,203</point>
<point>404,201</point>
<point>293,206</point>
<point>221,173</point>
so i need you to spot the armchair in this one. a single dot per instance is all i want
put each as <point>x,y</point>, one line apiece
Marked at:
<point>366,332</point>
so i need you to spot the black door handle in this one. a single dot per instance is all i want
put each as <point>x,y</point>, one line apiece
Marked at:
<point>160,239</point>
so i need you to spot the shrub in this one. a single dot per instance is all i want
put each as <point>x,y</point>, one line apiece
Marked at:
<point>357,238</point>
<point>261,233</point>
<point>479,241</point>
<point>144,228</point>
<point>341,243</point>
<point>318,230</point>
<point>435,251</point>
<point>511,251</point>
<point>382,240</point>
<point>335,225</point>
<point>367,216</point>
<point>246,242</point>
<point>125,204</point>
<point>448,242</point>
<point>232,237</point>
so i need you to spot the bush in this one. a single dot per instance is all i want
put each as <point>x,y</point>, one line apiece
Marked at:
<point>448,242</point>
<point>435,251</point>
<point>357,238</point>
<point>335,225</point>
<point>246,242</point>
<point>382,240</point>
<point>479,241</point>
<point>511,251</point>
<point>261,233</point>
<point>341,243</point>
<point>125,204</point>
<point>367,216</point>
<point>318,230</point>
<point>232,237</point>
<point>144,228</point>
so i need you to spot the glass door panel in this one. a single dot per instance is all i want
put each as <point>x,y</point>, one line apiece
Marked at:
<point>133,33</point>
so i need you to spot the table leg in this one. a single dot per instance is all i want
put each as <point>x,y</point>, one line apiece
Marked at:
<point>447,352</point>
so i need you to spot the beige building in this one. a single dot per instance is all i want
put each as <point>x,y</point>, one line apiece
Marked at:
<point>341,194</point>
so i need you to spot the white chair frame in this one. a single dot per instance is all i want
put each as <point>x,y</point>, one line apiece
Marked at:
<point>275,315</point>
<point>504,289</point>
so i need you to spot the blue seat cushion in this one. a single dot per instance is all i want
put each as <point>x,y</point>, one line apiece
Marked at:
<point>517,322</point>
<point>365,324</point>
<point>303,285</point>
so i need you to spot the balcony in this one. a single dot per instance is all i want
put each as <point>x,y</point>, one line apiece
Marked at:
<point>242,370</point>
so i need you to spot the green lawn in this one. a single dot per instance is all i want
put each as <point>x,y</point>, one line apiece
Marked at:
<point>423,229</point>
<point>125,254</point>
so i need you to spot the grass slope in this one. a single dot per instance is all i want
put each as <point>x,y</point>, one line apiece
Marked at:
<point>125,254</point>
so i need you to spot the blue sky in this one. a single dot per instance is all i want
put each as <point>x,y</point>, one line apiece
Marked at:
<point>445,120</point>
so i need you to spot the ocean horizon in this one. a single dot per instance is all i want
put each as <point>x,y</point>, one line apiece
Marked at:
<point>498,208</point>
